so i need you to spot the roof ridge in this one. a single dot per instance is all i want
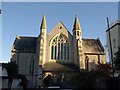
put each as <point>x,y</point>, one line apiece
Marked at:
<point>90,38</point>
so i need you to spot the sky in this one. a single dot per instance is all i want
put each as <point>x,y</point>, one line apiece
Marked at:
<point>60,0</point>
<point>24,19</point>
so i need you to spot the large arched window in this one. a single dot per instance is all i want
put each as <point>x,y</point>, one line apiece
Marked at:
<point>59,48</point>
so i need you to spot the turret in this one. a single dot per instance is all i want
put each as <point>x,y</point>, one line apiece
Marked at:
<point>77,40</point>
<point>42,42</point>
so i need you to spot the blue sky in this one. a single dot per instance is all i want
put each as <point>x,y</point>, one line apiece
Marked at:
<point>24,19</point>
<point>61,0</point>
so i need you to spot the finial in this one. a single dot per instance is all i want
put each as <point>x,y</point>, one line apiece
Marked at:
<point>75,15</point>
<point>18,37</point>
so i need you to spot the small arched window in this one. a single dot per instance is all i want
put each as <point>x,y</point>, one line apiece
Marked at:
<point>87,63</point>
<point>59,48</point>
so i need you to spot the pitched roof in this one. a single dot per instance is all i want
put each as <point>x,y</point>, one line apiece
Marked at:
<point>60,67</point>
<point>25,44</point>
<point>92,46</point>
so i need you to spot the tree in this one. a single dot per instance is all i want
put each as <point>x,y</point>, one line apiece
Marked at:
<point>87,79</point>
<point>117,59</point>
<point>12,70</point>
<point>104,69</point>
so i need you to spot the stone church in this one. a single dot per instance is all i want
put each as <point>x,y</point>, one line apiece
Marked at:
<point>58,51</point>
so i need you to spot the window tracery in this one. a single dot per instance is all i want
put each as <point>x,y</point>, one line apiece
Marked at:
<point>60,48</point>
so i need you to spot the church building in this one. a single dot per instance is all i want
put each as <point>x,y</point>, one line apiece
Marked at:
<point>57,51</point>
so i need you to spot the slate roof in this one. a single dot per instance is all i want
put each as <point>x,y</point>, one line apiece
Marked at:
<point>60,67</point>
<point>92,46</point>
<point>25,44</point>
<point>28,44</point>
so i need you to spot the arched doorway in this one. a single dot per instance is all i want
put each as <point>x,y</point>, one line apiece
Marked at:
<point>48,80</point>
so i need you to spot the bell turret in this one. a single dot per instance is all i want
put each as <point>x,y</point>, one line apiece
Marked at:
<point>77,39</point>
